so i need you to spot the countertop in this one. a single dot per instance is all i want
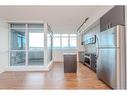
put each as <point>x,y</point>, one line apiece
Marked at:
<point>69,53</point>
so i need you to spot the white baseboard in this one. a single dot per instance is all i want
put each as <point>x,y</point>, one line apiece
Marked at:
<point>2,70</point>
<point>30,68</point>
<point>50,65</point>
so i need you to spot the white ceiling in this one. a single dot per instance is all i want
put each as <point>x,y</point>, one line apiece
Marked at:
<point>61,18</point>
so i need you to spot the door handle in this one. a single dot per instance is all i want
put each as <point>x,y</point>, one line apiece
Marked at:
<point>97,47</point>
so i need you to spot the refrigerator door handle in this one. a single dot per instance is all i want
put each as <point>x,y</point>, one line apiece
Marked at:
<point>97,47</point>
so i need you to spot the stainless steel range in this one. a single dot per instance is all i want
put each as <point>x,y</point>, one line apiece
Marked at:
<point>90,60</point>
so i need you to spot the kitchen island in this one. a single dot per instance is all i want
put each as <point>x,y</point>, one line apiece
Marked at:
<point>70,62</point>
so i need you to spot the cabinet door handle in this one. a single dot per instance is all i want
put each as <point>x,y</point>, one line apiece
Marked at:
<point>106,26</point>
<point>109,25</point>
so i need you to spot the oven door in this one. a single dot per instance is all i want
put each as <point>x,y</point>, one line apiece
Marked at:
<point>87,60</point>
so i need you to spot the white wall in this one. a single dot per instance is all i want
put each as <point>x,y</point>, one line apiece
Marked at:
<point>80,47</point>
<point>58,54</point>
<point>3,45</point>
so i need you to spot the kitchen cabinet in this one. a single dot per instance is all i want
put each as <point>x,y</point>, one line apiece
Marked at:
<point>115,16</point>
<point>81,56</point>
<point>93,64</point>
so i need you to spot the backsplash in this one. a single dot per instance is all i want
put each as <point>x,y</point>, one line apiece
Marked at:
<point>92,48</point>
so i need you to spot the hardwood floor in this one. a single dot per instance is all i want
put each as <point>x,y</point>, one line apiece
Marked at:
<point>54,79</point>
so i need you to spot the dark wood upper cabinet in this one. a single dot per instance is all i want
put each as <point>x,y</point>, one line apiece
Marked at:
<point>115,16</point>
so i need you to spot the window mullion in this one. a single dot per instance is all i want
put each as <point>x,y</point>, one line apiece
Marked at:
<point>26,49</point>
<point>60,40</point>
<point>68,40</point>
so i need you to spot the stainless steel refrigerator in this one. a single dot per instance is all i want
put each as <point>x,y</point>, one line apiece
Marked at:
<point>111,57</point>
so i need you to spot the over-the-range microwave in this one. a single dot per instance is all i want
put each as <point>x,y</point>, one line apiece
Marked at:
<point>90,40</point>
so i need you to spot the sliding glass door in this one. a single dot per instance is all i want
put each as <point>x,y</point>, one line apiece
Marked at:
<point>49,45</point>
<point>26,44</point>
<point>35,44</point>
<point>18,43</point>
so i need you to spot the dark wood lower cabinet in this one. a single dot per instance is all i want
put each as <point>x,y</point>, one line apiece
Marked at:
<point>81,56</point>
<point>70,63</point>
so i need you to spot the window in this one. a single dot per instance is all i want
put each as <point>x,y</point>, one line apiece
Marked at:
<point>73,40</point>
<point>18,39</point>
<point>21,41</point>
<point>65,41</point>
<point>56,41</point>
<point>64,38</point>
<point>27,43</point>
<point>36,39</point>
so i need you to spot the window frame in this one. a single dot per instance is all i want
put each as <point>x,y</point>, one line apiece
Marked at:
<point>26,49</point>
